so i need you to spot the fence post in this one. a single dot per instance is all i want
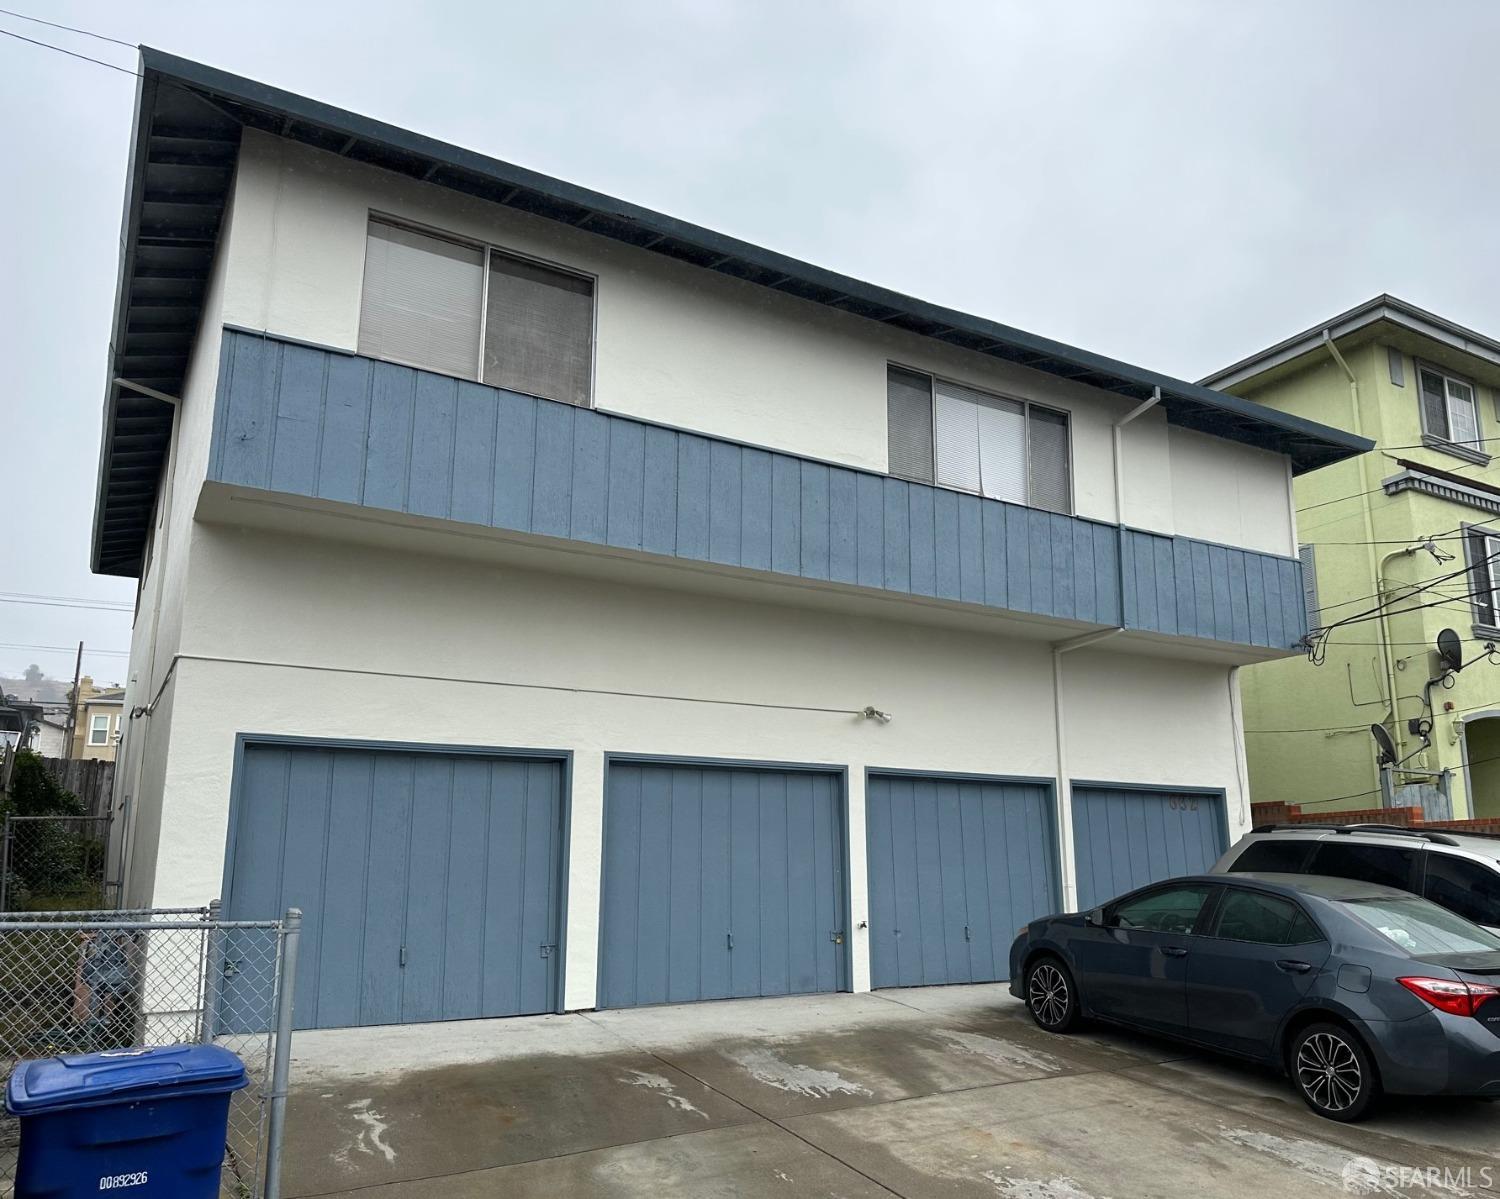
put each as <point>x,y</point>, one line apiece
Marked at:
<point>5,868</point>
<point>291,931</point>
<point>213,972</point>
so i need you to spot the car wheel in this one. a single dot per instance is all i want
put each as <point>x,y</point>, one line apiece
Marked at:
<point>1051,995</point>
<point>1334,1073</point>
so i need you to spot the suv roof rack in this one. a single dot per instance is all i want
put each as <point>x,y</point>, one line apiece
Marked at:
<point>1398,830</point>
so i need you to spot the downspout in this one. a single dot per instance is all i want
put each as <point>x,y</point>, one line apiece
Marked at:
<point>1069,873</point>
<point>159,560</point>
<point>1119,463</point>
<point>1356,426</point>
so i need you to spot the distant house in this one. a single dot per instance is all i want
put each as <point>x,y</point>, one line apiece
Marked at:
<point>632,613</point>
<point>98,730</point>
<point>1397,547</point>
<point>49,736</point>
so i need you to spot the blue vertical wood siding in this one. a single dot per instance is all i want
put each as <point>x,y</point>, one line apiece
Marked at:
<point>428,882</point>
<point>315,422</point>
<point>955,867</point>
<point>1124,837</point>
<point>720,882</point>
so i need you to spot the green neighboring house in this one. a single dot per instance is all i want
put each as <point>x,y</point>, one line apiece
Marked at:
<point>1427,391</point>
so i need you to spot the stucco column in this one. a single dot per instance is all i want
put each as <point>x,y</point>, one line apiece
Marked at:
<point>585,860</point>
<point>859,883</point>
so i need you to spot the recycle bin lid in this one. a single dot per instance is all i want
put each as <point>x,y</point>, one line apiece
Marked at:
<point>87,1079</point>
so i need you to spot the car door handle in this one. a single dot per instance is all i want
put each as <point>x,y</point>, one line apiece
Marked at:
<point>1174,951</point>
<point>1291,966</point>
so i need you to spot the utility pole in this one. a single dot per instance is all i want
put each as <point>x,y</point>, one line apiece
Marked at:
<point>73,708</point>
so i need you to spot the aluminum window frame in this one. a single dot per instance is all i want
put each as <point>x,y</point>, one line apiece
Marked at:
<point>94,719</point>
<point>933,379</point>
<point>1476,446</point>
<point>488,249</point>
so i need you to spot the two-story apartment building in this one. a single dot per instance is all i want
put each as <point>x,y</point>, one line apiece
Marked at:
<point>1398,546</point>
<point>566,605</point>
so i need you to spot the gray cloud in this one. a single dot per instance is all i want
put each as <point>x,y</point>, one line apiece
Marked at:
<point>1175,183</point>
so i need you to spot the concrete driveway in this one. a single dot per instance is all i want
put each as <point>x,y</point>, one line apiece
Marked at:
<point>945,1091</point>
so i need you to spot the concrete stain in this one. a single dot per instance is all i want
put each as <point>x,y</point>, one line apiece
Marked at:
<point>1328,1163</point>
<point>1000,1052</point>
<point>1061,1187</point>
<point>663,1086</point>
<point>766,1067</point>
<point>369,1137</point>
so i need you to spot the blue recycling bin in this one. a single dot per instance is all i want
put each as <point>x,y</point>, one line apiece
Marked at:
<point>137,1121</point>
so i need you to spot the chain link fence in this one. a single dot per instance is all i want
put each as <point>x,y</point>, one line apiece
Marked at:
<point>80,982</point>
<point>53,863</point>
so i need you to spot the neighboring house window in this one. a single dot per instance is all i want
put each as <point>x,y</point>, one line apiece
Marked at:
<point>1448,409</point>
<point>956,436</point>
<point>99,730</point>
<point>1484,575</point>
<point>1310,586</point>
<point>476,312</point>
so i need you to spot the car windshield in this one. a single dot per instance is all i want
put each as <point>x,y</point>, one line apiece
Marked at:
<point>1421,927</point>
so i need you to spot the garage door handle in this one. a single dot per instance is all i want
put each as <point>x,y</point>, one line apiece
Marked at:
<point>1174,951</point>
<point>1293,967</point>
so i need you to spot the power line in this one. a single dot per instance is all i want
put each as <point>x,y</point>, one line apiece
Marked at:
<point>70,28</point>
<point>65,601</point>
<point>71,53</point>
<point>64,649</point>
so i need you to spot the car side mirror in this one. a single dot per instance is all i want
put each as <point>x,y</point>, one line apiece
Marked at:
<point>1094,918</point>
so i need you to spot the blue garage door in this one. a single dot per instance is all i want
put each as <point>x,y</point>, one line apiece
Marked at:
<point>955,867</point>
<point>1127,837</point>
<point>720,882</point>
<point>429,882</point>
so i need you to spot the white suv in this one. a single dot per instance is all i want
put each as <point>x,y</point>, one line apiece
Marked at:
<point>1461,871</point>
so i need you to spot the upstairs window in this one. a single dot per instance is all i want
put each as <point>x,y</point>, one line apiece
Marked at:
<point>957,436</point>
<point>476,312</point>
<point>1484,575</point>
<point>1448,409</point>
<point>99,730</point>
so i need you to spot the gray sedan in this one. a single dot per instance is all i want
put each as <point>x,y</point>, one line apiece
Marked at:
<point>1353,988</point>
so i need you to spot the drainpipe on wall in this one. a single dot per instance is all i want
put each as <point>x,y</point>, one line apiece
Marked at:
<point>1069,874</point>
<point>1119,464</point>
<point>1356,426</point>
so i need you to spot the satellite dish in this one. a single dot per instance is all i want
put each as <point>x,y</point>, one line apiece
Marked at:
<point>1450,649</point>
<point>1383,740</point>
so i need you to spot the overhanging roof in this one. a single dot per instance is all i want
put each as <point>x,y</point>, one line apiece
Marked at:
<point>1383,309</point>
<point>188,123</point>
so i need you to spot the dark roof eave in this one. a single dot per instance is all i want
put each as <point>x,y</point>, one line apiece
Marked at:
<point>1308,445</point>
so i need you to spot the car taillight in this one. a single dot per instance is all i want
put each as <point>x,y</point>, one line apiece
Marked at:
<point>1449,994</point>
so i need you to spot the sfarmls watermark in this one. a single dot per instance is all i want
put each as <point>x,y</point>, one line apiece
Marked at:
<point>1365,1176</point>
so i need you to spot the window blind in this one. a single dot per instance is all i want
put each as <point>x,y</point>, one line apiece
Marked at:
<point>421,302</point>
<point>955,436</point>
<point>908,413</point>
<point>1051,482</point>
<point>538,336</point>
<point>1463,422</point>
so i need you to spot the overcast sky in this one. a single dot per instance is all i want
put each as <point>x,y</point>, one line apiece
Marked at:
<point>1171,183</point>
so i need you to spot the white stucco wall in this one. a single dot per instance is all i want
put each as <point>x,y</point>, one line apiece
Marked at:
<point>962,701</point>
<point>155,635</point>
<point>1230,493</point>
<point>694,349</point>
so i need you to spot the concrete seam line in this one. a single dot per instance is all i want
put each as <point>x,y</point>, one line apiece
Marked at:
<point>791,1132</point>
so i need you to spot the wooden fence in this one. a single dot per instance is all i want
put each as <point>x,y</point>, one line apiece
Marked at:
<point>1407,817</point>
<point>92,780</point>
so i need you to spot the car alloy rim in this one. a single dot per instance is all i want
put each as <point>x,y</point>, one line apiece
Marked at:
<point>1329,1071</point>
<point>1048,994</point>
